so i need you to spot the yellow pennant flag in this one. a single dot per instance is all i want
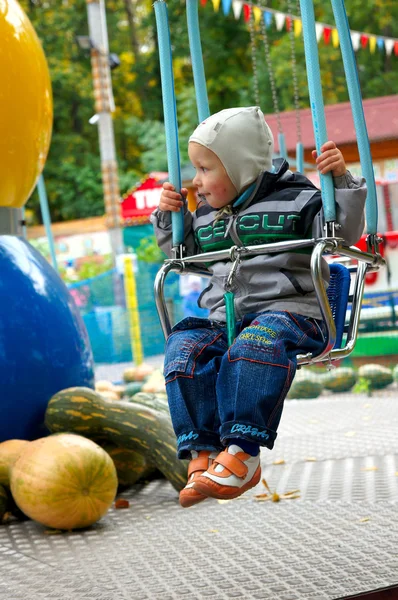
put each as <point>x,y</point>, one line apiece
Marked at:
<point>335,38</point>
<point>297,27</point>
<point>257,14</point>
<point>372,43</point>
<point>216,5</point>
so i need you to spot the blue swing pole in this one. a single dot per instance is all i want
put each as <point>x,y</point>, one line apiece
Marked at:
<point>354,91</point>
<point>317,105</point>
<point>170,118</point>
<point>282,145</point>
<point>198,70</point>
<point>300,157</point>
<point>45,213</point>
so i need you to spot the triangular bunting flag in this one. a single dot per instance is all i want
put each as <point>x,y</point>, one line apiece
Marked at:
<point>297,27</point>
<point>203,2</point>
<point>396,48</point>
<point>247,9</point>
<point>372,43</point>
<point>288,21</point>
<point>380,43</point>
<point>389,46</point>
<point>318,31</point>
<point>237,8</point>
<point>327,32</point>
<point>216,5</point>
<point>335,38</point>
<point>257,12</point>
<point>280,20</point>
<point>226,6</point>
<point>267,18</point>
<point>355,38</point>
<point>364,40</point>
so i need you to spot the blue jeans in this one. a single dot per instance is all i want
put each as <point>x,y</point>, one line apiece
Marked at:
<point>216,393</point>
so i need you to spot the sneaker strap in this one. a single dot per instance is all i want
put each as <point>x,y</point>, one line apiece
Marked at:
<point>233,463</point>
<point>200,463</point>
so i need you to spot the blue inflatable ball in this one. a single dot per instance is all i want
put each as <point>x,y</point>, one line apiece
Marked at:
<point>44,345</point>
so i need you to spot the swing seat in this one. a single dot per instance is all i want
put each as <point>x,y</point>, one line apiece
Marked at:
<point>338,292</point>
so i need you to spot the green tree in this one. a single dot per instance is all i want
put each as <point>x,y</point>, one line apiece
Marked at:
<point>72,171</point>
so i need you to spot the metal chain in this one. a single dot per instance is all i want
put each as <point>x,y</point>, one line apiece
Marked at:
<point>271,73</point>
<point>254,59</point>
<point>294,68</point>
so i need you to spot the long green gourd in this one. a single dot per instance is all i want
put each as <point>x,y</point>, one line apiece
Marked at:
<point>126,424</point>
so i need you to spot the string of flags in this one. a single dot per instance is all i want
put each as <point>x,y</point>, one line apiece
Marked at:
<point>282,20</point>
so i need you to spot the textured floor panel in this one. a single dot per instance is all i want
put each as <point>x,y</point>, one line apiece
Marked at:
<point>246,550</point>
<point>365,479</point>
<point>338,539</point>
<point>339,412</point>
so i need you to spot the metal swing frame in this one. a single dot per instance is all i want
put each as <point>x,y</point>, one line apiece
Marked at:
<point>330,244</point>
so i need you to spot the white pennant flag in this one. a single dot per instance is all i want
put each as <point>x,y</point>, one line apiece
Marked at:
<point>237,8</point>
<point>280,20</point>
<point>318,31</point>
<point>355,38</point>
<point>389,44</point>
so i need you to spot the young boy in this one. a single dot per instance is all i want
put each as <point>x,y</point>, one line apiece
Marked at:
<point>227,402</point>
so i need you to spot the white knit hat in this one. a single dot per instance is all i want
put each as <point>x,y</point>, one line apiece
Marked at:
<point>241,139</point>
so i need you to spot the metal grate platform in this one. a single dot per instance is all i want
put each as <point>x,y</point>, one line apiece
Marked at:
<point>339,539</point>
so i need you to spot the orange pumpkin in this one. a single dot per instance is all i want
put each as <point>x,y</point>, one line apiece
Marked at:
<point>9,452</point>
<point>64,481</point>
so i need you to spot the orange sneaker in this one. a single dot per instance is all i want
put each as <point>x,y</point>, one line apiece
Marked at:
<point>232,473</point>
<point>200,462</point>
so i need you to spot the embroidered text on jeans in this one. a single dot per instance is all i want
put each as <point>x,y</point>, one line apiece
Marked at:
<point>187,436</point>
<point>249,430</point>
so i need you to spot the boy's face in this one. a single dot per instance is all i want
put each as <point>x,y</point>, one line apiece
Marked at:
<point>211,179</point>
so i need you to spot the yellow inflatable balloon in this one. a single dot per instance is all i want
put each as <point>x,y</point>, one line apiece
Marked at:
<point>25,106</point>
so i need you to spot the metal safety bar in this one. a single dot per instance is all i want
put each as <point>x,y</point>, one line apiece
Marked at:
<point>367,262</point>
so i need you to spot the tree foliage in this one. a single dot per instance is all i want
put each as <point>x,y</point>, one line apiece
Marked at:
<point>73,173</point>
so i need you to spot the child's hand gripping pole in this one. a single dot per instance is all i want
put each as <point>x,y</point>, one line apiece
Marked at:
<point>170,120</point>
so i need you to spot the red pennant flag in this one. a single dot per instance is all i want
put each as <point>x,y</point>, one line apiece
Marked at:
<point>288,23</point>
<point>247,12</point>
<point>396,48</point>
<point>203,2</point>
<point>364,40</point>
<point>327,32</point>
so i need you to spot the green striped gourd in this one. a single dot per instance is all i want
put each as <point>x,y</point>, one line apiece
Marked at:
<point>131,466</point>
<point>155,401</point>
<point>378,376</point>
<point>305,385</point>
<point>125,424</point>
<point>341,379</point>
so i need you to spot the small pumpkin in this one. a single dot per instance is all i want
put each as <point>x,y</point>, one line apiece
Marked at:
<point>138,372</point>
<point>155,383</point>
<point>64,481</point>
<point>9,452</point>
<point>103,385</point>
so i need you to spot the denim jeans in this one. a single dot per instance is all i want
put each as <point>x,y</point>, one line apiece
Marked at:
<point>216,393</point>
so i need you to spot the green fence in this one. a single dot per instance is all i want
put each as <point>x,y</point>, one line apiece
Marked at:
<point>102,304</point>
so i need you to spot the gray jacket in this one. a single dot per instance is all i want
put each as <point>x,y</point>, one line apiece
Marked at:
<point>284,205</point>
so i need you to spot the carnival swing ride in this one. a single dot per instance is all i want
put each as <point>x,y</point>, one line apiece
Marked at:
<point>346,283</point>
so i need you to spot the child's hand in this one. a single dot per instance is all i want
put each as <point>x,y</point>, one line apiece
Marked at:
<point>330,159</point>
<point>170,199</point>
